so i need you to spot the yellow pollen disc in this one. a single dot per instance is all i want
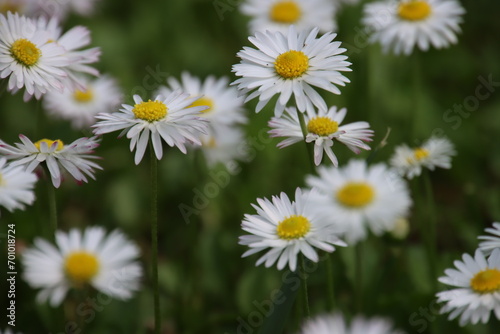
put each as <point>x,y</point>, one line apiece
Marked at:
<point>291,64</point>
<point>204,101</point>
<point>287,12</point>
<point>83,96</point>
<point>211,143</point>
<point>356,194</point>
<point>81,267</point>
<point>60,144</point>
<point>420,153</point>
<point>293,227</point>
<point>1,180</point>
<point>150,111</point>
<point>486,281</point>
<point>322,126</point>
<point>415,10</point>
<point>25,52</point>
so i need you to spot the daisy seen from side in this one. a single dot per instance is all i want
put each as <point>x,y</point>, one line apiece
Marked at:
<point>16,186</point>
<point>223,145</point>
<point>291,64</point>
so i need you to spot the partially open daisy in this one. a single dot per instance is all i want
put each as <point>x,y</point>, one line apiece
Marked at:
<point>291,64</point>
<point>402,25</point>
<point>79,106</point>
<point>359,198</point>
<point>80,259</point>
<point>278,15</point>
<point>435,152</point>
<point>16,186</point>
<point>74,157</point>
<point>323,127</point>
<point>173,119</point>
<point>27,58</point>
<point>284,229</point>
<point>477,292</point>
<point>336,323</point>
<point>224,104</point>
<point>490,242</point>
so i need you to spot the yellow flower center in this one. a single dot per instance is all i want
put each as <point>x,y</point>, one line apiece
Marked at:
<point>25,52</point>
<point>211,143</point>
<point>285,12</point>
<point>83,96</point>
<point>291,64</point>
<point>10,7</point>
<point>81,267</point>
<point>204,101</point>
<point>293,227</point>
<point>60,144</point>
<point>415,10</point>
<point>420,153</point>
<point>356,194</point>
<point>322,126</point>
<point>486,281</point>
<point>2,182</point>
<point>150,111</point>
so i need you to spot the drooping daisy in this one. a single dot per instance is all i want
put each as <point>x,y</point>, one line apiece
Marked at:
<point>80,106</point>
<point>401,25</point>
<point>291,64</point>
<point>490,242</point>
<point>284,229</point>
<point>477,292</point>
<point>72,41</point>
<point>27,58</point>
<point>169,118</point>
<point>223,144</point>
<point>435,152</point>
<point>74,157</point>
<point>359,198</point>
<point>225,106</point>
<point>79,259</point>
<point>16,186</point>
<point>336,323</point>
<point>322,128</point>
<point>278,15</point>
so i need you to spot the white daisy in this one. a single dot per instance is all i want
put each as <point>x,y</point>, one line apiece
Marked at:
<point>105,262</point>
<point>401,25</point>
<point>74,157</point>
<point>225,106</point>
<point>223,144</point>
<point>478,288</point>
<point>73,40</point>
<point>171,118</point>
<point>290,65</point>
<point>278,15</point>
<point>286,228</point>
<point>59,9</point>
<point>9,331</point>
<point>16,186</point>
<point>336,323</point>
<point>359,198</point>
<point>80,106</point>
<point>28,59</point>
<point>490,242</point>
<point>322,128</point>
<point>435,152</point>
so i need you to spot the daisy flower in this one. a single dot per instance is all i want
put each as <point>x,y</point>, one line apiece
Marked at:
<point>225,106</point>
<point>322,128</point>
<point>16,186</point>
<point>79,259</point>
<point>490,242</point>
<point>477,292</point>
<point>435,152</point>
<point>59,9</point>
<point>359,198</point>
<point>336,323</point>
<point>27,58</point>
<point>291,64</point>
<point>223,144</point>
<point>278,15</point>
<point>172,119</point>
<point>401,25</point>
<point>74,157</point>
<point>286,228</point>
<point>80,106</point>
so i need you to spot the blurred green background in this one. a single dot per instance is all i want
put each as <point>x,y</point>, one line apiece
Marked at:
<point>205,286</point>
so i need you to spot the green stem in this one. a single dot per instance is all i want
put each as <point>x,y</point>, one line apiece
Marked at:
<point>154,236</point>
<point>330,285</point>
<point>430,233</point>
<point>417,86</point>
<point>304,285</point>
<point>359,277</point>
<point>52,209</point>
<point>310,150</point>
